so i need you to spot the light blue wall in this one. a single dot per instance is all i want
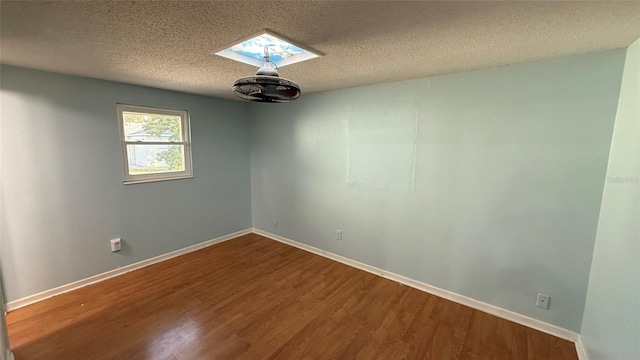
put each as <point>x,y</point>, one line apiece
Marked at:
<point>4,334</point>
<point>611,324</point>
<point>485,183</point>
<point>62,191</point>
<point>5,350</point>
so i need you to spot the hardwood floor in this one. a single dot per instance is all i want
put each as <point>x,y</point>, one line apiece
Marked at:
<point>254,298</point>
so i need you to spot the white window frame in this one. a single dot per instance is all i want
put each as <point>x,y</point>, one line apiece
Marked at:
<point>186,142</point>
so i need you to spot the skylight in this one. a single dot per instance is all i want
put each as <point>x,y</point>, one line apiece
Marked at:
<point>281,52</point>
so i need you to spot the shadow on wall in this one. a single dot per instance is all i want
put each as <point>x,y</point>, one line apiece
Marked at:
<point>64,198</point>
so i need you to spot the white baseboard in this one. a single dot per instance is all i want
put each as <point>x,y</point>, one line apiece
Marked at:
<point>16,304</point>
<point>461,299</point>
<point>580,349</point>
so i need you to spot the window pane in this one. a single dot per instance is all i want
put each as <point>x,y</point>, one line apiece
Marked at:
<point>153,159</point>
<point>151,127</point>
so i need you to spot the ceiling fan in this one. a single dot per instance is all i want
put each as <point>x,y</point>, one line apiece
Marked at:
<point>266,86</point>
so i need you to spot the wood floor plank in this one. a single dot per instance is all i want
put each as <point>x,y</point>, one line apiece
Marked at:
<point>254,298</point>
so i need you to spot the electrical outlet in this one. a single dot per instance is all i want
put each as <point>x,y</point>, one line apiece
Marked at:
<point>339,235</point>
<point>116,244</point>
<point>542,301</point>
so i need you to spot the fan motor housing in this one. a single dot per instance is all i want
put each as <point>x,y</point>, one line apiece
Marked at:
<point>266,88</point>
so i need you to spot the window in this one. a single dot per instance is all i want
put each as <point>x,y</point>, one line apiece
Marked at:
<point>155,143</point>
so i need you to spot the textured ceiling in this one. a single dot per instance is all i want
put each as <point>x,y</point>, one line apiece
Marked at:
<point>169,44</point>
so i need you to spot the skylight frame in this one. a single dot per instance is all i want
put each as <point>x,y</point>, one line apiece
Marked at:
<point>308,54</point>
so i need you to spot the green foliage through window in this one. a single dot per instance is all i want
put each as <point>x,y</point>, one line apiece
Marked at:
<point>158,125</point>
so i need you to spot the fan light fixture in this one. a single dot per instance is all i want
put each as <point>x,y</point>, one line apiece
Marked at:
<point>266,85</point>
<point>268,51</point>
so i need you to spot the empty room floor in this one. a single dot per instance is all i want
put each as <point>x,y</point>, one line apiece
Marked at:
<point>255,298</point>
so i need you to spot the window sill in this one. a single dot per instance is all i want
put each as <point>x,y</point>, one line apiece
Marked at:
<point>142,181</point>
